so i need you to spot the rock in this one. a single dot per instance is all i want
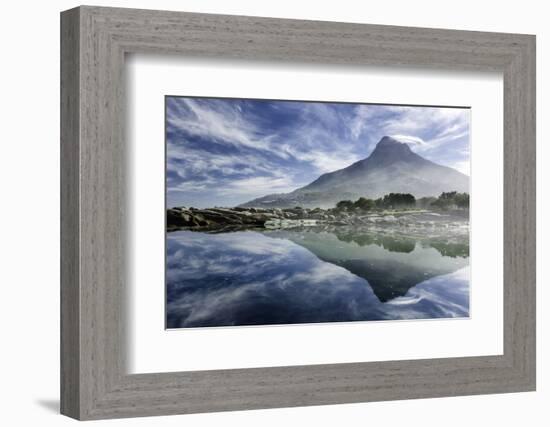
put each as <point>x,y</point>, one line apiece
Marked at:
<point>216,218</point>
<point>219,219</point>
<point>179,218</point>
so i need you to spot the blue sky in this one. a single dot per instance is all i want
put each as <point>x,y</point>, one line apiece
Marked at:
<point>222,152</point>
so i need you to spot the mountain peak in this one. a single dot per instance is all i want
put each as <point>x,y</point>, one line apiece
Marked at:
<point>389,150</point>
<point>387,142</point>
<point>392,167</point>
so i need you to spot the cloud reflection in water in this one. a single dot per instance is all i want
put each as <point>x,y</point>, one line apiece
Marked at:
<point>251,278</point>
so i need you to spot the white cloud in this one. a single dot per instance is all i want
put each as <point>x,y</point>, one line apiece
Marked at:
<point>259,186</point>
<point>222,124</point>
<point>359,123</point>
<point>448,137</point>
<point>445,124</point>
<point>254,159</point>
<point>324,161</point>
<point>409,139</point>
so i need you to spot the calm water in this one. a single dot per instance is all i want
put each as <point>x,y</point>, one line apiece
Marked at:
<point>308,276</point>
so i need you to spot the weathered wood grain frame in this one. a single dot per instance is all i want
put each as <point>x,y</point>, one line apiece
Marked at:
<point>94,41</point>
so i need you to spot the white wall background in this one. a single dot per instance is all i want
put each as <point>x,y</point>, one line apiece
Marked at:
<point>29,237</point>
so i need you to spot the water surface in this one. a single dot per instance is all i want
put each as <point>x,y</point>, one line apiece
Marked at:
<point>312,275</point>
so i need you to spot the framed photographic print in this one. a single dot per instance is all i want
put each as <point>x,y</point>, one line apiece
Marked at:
<point>289,221</point>
<point>262,213</point>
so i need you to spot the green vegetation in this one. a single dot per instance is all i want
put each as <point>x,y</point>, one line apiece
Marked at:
<point>345,205</point>
<point>364,204</point>
<point>452,200</point>
<point>400,201</point>
<point>404,244</point>
<point>389,201</point>
<point>390,243</point>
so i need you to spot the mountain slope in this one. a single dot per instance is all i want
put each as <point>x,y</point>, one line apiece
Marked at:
<point>391,168</point>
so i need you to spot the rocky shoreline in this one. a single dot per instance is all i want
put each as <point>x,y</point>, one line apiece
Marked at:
<point>241,218</point>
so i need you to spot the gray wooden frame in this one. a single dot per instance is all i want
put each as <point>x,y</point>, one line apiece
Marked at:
<point>94,41</point>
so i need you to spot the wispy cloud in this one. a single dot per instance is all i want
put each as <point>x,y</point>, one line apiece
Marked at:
<point>410,139</point>
<point>228,151</point>
<point>260,186</point>
<point>218,122</point>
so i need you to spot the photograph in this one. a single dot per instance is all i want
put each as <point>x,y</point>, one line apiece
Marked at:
<point>260,214</point>
<point>295,212</point>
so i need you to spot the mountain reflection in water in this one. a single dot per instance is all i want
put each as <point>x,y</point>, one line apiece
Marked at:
<point>311,275</point>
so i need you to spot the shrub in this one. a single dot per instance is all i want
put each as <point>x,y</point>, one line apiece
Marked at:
<point>364,204</point>
<point>344,205</point>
